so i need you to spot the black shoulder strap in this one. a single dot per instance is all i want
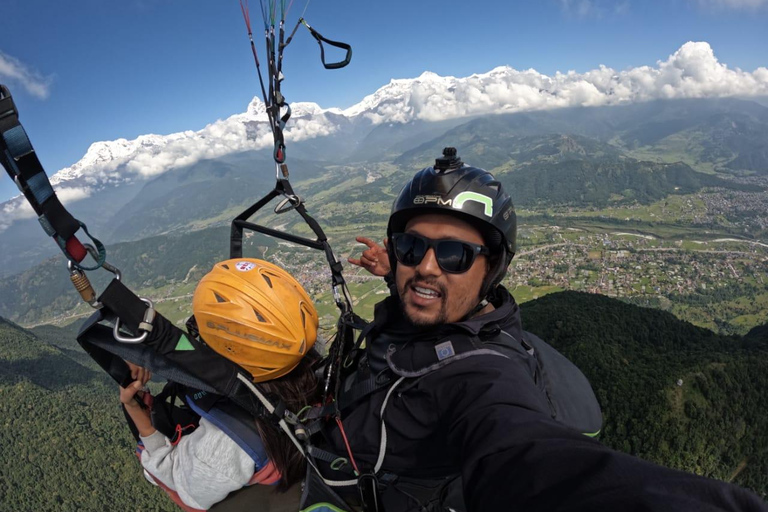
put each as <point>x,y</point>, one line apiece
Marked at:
<point>414,360</point>
<point>20,161</point>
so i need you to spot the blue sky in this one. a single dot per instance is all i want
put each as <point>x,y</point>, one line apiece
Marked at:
<point>89,70</point>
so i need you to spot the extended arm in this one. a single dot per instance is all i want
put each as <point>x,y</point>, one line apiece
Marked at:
<point>515,456</point>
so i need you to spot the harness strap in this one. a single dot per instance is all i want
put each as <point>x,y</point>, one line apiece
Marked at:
<point>320,40</point>
<point>20,161</point>
<point>241,429</point>
<point>362,389</point>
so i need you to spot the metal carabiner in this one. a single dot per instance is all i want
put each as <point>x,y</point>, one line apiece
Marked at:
<point>81,282</point>
<point>146,325</point>
<point>284,206</point>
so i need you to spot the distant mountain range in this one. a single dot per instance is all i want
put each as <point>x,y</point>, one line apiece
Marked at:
<point>640,152</point>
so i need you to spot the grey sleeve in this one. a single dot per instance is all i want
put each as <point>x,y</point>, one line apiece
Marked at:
<point>203,468</point>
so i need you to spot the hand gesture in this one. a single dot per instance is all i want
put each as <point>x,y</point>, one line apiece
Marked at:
<point>374,259</point>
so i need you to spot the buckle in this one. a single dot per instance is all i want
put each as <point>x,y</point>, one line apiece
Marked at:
<point>7,105</point>
<point>368,485</point>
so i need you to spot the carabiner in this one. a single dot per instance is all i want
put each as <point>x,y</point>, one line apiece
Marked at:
<point>146,325</point>
<point>82,283</point>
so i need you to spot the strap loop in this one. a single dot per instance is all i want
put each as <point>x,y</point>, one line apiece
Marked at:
<point>320,40</point>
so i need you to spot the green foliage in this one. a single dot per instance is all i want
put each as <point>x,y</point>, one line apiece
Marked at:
<point>671,392</point>
<point>598,183</point>
<point>68,448</point>
<point>64,440</point>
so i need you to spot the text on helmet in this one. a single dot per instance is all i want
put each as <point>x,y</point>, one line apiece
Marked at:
<point>458,201</point>
<point>247,336</point>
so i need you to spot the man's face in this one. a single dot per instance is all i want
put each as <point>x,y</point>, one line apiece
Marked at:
<point>429,295</point>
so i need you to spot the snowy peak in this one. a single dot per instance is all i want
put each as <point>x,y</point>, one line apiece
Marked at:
<point>693,71</point>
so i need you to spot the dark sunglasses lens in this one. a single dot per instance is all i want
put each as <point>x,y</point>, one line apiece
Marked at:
<point>453,256</point>
<point>409,249</point>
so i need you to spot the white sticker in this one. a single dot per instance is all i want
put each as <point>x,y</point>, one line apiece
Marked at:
<point>245,266</point>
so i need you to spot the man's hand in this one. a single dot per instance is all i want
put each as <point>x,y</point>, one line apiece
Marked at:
<point>374,259</point>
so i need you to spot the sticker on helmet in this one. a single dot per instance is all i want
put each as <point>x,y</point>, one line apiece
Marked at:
<point>245,266</point>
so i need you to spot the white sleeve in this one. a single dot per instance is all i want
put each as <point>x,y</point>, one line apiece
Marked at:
<point>203,468</point>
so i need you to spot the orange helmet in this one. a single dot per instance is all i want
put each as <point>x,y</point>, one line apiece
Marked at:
<point>255,314</point>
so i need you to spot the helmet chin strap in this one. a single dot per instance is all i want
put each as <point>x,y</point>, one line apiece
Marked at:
<point>475,310</point>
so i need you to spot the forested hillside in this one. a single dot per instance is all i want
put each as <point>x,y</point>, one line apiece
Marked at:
<point>671,392</point>
<point>64,441</point>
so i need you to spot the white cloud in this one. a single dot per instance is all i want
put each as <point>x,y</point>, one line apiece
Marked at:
<point>732,4</point>
<point>692,71</point>
<point>593,8</point>
<point>13,210</point>
<point>15,72</point>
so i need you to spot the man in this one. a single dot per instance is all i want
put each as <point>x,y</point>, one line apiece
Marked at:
<point>459,390</point>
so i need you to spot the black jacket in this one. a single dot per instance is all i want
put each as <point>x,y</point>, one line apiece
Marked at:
<point>486,418</point>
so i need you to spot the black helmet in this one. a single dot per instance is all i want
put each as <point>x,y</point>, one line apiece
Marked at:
<point>469,193</point>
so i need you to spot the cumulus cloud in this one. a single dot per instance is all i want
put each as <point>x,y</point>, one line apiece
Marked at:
<point>692,71</point>
<point>732,4</point>
<point>594,8</point>
<point>15,72</point>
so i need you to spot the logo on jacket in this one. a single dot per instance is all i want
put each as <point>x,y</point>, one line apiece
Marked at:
<point>444,350</point>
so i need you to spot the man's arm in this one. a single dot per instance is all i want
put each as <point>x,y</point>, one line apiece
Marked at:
<point>514,456</point>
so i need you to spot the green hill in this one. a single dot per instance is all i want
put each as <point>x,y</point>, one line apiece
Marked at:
<point>671,392</point>
<point>598,183</point>
<point>63,437</point>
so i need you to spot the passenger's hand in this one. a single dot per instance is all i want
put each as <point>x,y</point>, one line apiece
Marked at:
<point>140,415</point>
<point>128,394</point>
<point>374,259</point>
<point>139,373</point>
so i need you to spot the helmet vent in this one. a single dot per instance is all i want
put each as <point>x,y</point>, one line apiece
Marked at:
<point>259,317</point>
<point>303,346</point>
<point>219,298</point>
<point>303,319</point>
<point>267,279</point>
<point>225,266</point>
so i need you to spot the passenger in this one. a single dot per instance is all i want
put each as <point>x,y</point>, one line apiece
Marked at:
<point>258,316</point>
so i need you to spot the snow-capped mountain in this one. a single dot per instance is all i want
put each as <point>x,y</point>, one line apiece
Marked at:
<point>692,71</point>
<point>392,121</point>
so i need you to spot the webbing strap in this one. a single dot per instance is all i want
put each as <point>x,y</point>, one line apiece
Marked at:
<point>20,161</point>
<point>320,40</point>
<point>238,426</point>
<point>362,389</point>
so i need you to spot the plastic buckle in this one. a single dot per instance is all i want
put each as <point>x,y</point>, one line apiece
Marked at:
<point>145,325</point>
<point>7,105</point>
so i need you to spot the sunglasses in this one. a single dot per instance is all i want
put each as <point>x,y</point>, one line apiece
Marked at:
<point>453,256</point>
